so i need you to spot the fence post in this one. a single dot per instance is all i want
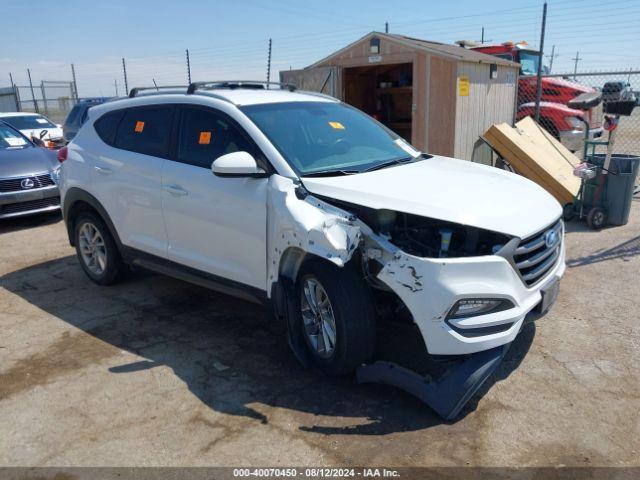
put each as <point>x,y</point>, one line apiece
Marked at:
<point>269,65</point>
<point>188,67</point>
<point>16,94</point>
<point>33,95</point>
<point>126,84</point>
<point>44,97</point>
<point>75,84</point>
<point>539,82</point>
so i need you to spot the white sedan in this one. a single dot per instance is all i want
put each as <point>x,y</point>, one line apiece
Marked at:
<point>33,125</point>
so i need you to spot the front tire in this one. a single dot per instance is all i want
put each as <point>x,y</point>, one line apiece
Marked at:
<point>335,308</point>
<point>96,250</point>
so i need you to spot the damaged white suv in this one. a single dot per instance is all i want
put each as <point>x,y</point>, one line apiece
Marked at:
<point>297,199</point>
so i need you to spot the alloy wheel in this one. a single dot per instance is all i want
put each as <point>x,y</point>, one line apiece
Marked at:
<point>318,318</point>
<point>92,248</point>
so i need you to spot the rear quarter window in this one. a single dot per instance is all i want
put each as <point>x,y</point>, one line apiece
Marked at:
<point>73,115</point>
<point>107,125</point>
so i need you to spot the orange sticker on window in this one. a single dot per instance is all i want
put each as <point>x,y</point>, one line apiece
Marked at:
<point>337,125</point>
<point>139,127</point>
<point>205,138</point>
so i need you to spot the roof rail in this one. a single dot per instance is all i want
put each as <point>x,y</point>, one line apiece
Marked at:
<point>135,91</point>
<point>319,94</point>
<point>233,84</point>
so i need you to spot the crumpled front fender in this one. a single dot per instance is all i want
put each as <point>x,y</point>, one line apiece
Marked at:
<point>307,224</point>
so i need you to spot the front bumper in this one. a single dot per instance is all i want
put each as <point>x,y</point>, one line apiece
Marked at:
<point>574,139</point>
<point>429,287</point>
<point>29,202</point>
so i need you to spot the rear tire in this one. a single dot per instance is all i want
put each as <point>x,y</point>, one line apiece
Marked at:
<point>340,332</point>
<point>96,250</point>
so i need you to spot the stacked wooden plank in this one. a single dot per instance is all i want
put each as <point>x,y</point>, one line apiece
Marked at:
<point>537,155</point>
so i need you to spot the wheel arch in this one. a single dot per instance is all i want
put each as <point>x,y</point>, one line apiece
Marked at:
<point>76,201</point>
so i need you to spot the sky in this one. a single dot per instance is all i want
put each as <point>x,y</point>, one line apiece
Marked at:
<point>228,40</point>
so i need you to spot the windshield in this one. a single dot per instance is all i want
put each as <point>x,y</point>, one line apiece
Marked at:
<point>529,63</point>
<point>327,137</point>
<point>28,122</point>
<point>10,139</point>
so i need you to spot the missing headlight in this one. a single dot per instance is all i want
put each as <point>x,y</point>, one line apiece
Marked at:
<point>427,237</point>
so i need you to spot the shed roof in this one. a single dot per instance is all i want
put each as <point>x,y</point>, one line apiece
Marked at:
<point>454,52</point>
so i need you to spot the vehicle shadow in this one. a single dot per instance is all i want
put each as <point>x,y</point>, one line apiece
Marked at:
<point>32,221</point>
<point>226,351</point>
<point>623,251</point>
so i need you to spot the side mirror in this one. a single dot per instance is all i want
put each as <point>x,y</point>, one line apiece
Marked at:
<point>43,133</point>
<point>237,164</point>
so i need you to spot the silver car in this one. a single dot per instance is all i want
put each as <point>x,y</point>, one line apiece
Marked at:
<point>28,176</point>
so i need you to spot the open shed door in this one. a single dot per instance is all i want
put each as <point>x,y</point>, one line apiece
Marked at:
<point>320,79</point>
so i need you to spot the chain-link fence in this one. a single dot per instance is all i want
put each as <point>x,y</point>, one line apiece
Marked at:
<point>51,98</point>
<point>561,121</point>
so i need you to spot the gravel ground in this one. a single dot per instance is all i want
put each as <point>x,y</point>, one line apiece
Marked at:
<point>155,371</point>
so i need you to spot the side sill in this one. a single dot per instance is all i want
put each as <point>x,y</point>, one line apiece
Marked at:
<point>192,275</point>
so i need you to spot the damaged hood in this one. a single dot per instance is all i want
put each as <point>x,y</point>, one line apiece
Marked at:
<point>451,190</point>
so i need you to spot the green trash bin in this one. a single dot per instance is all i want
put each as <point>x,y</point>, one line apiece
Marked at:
<point>620,184</point>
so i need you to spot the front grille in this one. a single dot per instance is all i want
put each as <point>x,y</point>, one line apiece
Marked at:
<point>28,206</point>
<point>533,258</point>
<point>15,184</point>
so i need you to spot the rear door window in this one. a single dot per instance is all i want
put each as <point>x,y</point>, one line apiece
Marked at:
<point>146,130</point>
<point>206,135</point>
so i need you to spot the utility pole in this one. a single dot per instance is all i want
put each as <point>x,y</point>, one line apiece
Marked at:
<point>115,84</point>
<point>386,27</point>
<point>75,84</point>
<point>126,84</point>
<point>33,95</point>
<point>539,80</point>
<point>575,67</point>
<point>188,67</point>
<point>269,65</point>
<point>482,37</point>
<point>551,57</point>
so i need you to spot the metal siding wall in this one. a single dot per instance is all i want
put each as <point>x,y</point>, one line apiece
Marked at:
<point>7,100</point>
<point>489,102</point>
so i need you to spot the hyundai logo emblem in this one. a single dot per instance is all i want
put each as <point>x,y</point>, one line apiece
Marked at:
<point>551,238</point>
<point>27,183</point>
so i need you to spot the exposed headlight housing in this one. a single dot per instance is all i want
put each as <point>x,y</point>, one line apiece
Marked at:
<point>471,307</point>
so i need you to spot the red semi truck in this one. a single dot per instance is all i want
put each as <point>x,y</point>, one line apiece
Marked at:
<point>555,115</point>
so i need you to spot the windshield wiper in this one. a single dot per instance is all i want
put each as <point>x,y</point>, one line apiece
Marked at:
<point>330,173</point>
<point>390,163</point>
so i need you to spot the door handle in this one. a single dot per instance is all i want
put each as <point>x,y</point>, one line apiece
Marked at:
<point>102,170</point>
<point>176,191</point>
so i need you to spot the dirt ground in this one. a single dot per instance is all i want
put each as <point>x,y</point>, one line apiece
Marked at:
<point>155,371</point>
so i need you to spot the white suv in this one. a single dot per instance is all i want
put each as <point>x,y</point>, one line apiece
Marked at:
<point>298,200</point>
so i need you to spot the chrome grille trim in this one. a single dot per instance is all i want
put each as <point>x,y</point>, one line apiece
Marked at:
<point>8,185</point>
<point>532,258</point>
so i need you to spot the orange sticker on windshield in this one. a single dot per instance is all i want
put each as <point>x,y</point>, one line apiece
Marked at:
<point>139,127</point>
<point>205,138</point>
<point>336,125</point>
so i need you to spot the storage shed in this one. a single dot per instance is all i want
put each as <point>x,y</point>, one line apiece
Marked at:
<point>440,97</point>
